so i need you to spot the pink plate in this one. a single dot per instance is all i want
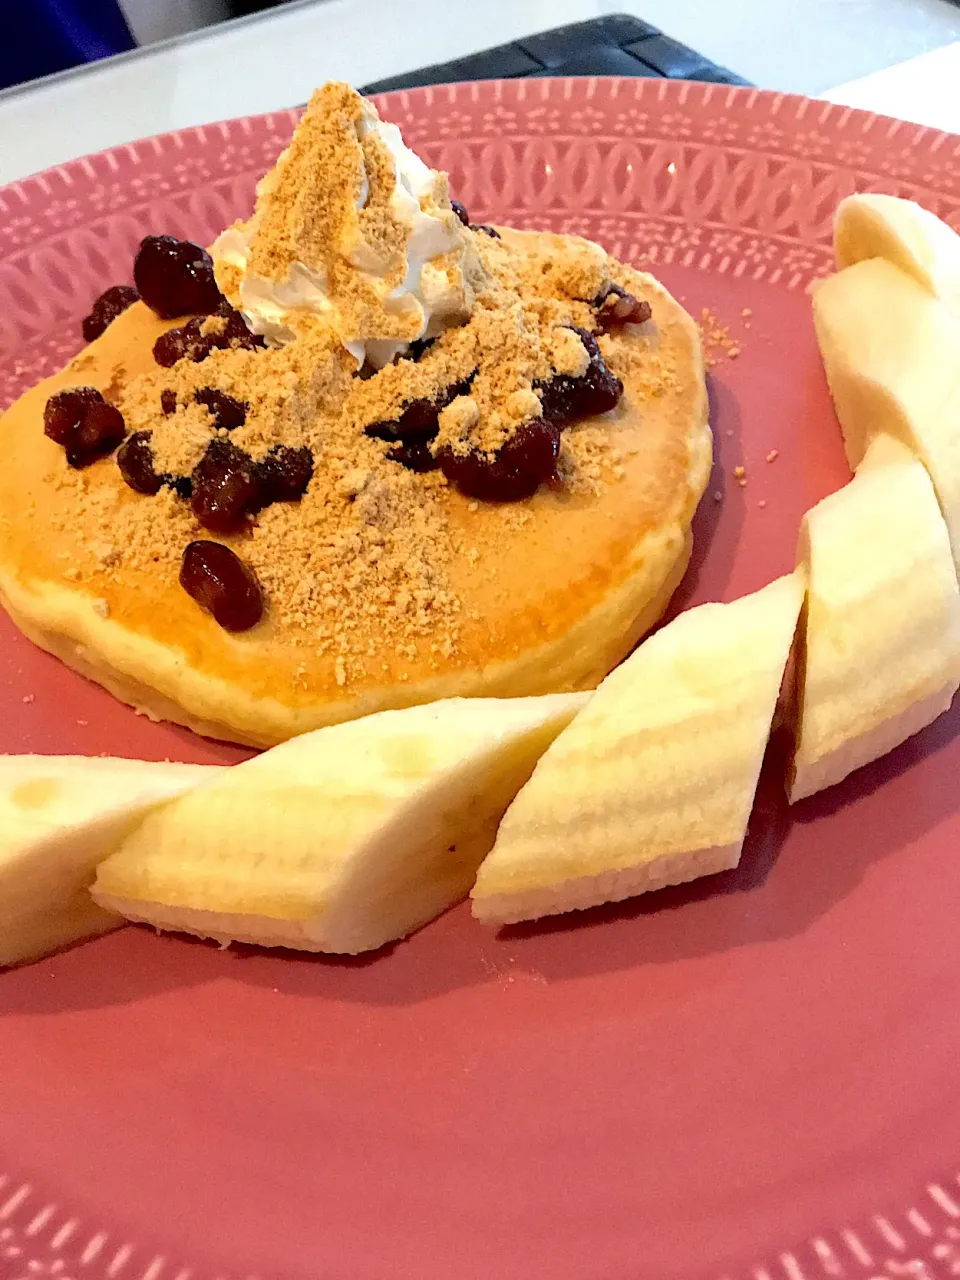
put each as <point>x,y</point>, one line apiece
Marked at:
<point>756,1076</point>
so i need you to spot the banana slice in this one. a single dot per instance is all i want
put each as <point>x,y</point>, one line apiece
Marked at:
<point>892,357</point>
<point>59,817</point>
<point>883,619</point>
<point>870,225</point>
<point>343,839</point>
<point>653,782</point>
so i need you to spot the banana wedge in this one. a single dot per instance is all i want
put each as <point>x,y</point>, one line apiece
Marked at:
<point>870,225</point>
<point>340,840</point>
<point>891,352</point>
<point>882,651</point>
<point>59,817</point>
<point>653,783</point>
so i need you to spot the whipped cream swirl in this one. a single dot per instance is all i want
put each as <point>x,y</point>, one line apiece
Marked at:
<point>351,228</point>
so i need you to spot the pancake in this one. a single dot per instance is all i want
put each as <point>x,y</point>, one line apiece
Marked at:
<point>549,594</point>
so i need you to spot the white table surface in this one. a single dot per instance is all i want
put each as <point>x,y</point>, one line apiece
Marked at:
<point>923,89</point>
<point>275,59</point>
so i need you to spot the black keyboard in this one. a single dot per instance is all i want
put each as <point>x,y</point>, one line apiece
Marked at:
<point>616,45</point>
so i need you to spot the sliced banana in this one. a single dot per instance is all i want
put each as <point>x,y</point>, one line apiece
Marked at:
<point>59,817</point>
<point>871,225</point>
<point>343,839</point>
<point>653,782</point>
<point>882,636</point>
<point>891,352</point>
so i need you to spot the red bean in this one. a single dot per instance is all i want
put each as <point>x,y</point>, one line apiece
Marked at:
<point>222,584</point>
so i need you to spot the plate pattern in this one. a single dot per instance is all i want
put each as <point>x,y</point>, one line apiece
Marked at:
<point>718,179</point>
<point>723,180</point>
<point>40,1240</point>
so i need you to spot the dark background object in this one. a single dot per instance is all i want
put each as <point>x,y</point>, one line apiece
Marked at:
<point>243,8</point>
<point>616,45</point>
<point>44,36</point>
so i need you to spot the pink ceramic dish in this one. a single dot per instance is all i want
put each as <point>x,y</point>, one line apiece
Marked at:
<point>754,1076</point>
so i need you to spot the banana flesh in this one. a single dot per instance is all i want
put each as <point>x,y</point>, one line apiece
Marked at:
<point>891,352</point>
<point>653,782</point>
<point>882,642</point>
<point>340,840</point>
<point>872,225</point>
<point>59,817</point>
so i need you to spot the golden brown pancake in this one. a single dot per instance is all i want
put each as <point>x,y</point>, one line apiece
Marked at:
<point>549,593</point>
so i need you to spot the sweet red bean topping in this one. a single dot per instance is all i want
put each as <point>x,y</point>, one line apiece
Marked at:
<point>101,430</point>
<point>516,471</point>
<point>284,474</point>
<point>185,343</point>
<point>222,584</point>
<point>135,460</point>
<point>175,277</point>
<point>422,423</point>
<point>188,342</point>
<point>65,410</point>
<point>565,399</point>
<point>111,303</point>
<point>82,422</point>
<point>418,349</point>
<point>415,457</point>
<point>236,332</point>
<point>168,400</point>
<point>226,488</point>
<point>616,307</point>
<point>419,421</point>
<point>228,413</point>
<point>461,212</point>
